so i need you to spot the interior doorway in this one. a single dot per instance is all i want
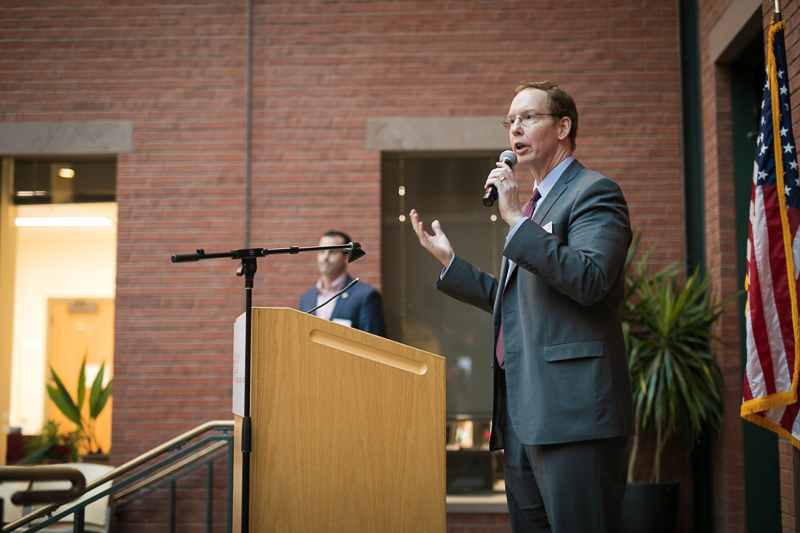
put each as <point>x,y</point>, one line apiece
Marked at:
<point>761,458</point>
<point>81,328</point>
<point>58,247</point>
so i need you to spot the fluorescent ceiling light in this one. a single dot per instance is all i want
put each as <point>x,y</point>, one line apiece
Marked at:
<point>66,172</point>
<point>51,222</point>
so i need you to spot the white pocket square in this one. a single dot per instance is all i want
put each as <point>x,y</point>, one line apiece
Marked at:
<point>548,227</point>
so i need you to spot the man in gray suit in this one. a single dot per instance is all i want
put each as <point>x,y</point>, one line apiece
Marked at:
<point>562,396</point>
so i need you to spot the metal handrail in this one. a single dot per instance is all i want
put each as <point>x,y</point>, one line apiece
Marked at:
<point>44,473</point>
<point>127,467</point>
<point>171,470</point>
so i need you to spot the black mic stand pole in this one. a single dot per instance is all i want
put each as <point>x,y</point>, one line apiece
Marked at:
<point>247,268</point>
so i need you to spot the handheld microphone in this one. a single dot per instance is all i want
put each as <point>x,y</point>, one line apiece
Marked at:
<point>509,158</point>
<point>326,302</point>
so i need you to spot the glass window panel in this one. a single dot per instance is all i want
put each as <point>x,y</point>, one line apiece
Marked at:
<point>63,180</point>
<point>447,187</point>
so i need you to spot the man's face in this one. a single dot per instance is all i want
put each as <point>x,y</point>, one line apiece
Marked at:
<point>331,263</point>
<point>535,144</point>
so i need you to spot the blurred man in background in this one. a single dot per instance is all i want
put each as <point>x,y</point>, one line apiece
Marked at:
<point>358,307</point>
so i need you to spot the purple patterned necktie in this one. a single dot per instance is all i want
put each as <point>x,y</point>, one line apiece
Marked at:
<point>498,351</point>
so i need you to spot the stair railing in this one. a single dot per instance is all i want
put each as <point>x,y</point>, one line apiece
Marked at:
<point>186,457</point>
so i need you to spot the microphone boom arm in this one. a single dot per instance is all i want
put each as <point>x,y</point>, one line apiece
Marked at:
<point>353,249</point>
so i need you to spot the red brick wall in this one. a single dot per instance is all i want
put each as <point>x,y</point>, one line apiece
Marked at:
<point>177,72</point>
<point>320,69</point>
<point>721,253</point>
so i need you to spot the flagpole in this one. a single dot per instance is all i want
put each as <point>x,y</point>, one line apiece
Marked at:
<point>796,483</point>
<point>777,17</point>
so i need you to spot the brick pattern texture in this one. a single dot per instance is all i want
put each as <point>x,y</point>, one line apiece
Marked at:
<point>721,249</point>
<point>177,70</point>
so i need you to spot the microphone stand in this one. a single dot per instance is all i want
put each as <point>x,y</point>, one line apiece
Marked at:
<point>247,268</point>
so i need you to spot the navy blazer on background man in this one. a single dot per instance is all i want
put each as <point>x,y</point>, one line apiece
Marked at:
<point>566,372</point>
<point>360,305</point>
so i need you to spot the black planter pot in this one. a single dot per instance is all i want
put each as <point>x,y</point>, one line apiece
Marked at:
<point>650,507</point>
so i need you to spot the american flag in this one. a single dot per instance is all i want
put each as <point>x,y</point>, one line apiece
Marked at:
<point>773,256</point>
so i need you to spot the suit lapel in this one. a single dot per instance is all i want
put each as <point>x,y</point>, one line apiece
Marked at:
<point>512,267</point>
<point>503,275</point>
<point>558,189</point>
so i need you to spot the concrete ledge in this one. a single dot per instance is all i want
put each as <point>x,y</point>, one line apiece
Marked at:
<point>405,134</point>
<point>485,504</point>
<point>740,23</point>
<point>24,138</point>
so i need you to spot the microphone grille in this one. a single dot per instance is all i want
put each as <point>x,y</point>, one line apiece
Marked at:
<point>509,157</point>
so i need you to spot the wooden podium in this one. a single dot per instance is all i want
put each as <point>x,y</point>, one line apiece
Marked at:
<point>348,430</point>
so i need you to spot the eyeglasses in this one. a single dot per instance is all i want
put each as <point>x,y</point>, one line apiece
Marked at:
<point>528,119</point>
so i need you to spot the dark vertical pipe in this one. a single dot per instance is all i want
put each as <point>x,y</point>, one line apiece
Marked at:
<point>172,506</point>
<point>78,521</point>
<point>694,217</point>
<point>246,429</point>
<point>230,485</point>
<point>796,482</point>
<point>209,495</point>
<point>692,128</point>
<point>248,123</point>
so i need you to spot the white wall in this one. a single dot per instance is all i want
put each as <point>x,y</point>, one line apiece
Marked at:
<point>53,263</point>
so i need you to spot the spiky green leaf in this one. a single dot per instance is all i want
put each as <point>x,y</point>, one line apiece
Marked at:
<point>94,394</point>
<point>82,383</point>
<point>63,400</point>
<point>99,402</point>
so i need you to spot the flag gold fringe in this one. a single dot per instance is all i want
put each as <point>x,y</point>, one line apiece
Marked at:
<point>764,423</point>
<point>772,401</point>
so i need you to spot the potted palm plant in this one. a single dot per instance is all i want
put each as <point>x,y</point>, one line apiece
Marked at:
<point>86,422</point>
<point>50,445</point>
<point>676,382</point>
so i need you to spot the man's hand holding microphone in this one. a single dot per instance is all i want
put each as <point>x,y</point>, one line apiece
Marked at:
<point>500,182</point>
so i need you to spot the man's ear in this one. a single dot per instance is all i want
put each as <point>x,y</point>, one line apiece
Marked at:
<point>565,126</point>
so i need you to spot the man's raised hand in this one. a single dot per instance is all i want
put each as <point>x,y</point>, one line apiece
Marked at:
<point>437,244</point>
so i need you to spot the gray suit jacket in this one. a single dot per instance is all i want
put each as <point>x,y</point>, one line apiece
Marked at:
<point>566,373</point>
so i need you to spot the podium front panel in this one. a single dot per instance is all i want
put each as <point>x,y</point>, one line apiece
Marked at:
<point>348,429</point>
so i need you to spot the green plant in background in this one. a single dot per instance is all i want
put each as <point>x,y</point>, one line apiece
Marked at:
<point>51,446</point>
<point>677,384</point>
<point>73,410</point>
